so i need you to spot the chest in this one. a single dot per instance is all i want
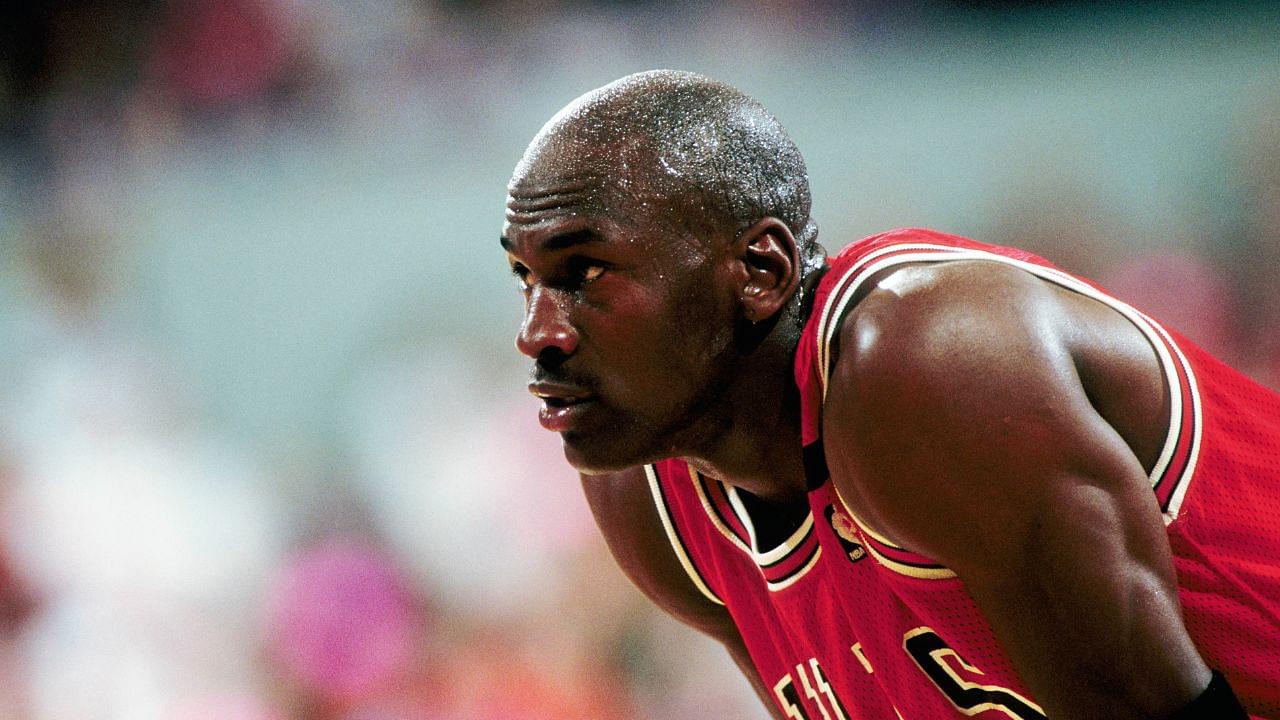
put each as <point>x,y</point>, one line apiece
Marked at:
<point>838,626</point>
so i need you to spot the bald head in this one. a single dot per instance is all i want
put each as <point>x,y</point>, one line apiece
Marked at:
<point>680,140</point>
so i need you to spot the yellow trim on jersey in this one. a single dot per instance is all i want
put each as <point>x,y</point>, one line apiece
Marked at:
<point>922,573</point>
<point>761,559</point>
<point>713,515</point>
<point>856,648</point>
<point>681,554</point>
<point>1157,337</point>
<point>793,577</point>
<point>861,525</point>
<point>930,573</point>
<point>774,554</point>
<point>937,656</point>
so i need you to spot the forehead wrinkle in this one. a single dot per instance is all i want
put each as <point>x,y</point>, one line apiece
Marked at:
<point>550,181</point>
<point>555,207</point>
<point>611,168</point>
<point>551,200</point>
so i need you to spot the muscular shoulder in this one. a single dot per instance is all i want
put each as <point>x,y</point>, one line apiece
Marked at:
<point>624,508</point>
<point>928,325</point>
<point>955,393</point>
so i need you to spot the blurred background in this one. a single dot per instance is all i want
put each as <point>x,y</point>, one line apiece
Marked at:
<point>265,449</point>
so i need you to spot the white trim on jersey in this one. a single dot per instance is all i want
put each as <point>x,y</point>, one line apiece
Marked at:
<point>1159,339</point>
<point>710,509</point>
<point>783,549</point>
<point>1183,482</point>
<point>681,554</point>
<point>761,559</point>
<point>789,580</point>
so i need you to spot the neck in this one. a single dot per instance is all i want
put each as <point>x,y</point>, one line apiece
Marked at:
<point>753,438</point>
<point>755,442</point>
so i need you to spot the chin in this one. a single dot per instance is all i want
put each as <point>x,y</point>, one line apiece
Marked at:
<point>589,456</point>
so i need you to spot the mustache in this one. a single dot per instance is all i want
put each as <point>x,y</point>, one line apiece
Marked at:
<point>539,373</point>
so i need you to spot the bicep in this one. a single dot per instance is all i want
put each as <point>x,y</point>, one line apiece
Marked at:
<point>965,433</point>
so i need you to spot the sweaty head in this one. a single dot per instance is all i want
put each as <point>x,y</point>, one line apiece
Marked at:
<point>703,155</point>
<point>622,221</point>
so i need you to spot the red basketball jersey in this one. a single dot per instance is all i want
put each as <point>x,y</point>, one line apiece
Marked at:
<point>843,624</point>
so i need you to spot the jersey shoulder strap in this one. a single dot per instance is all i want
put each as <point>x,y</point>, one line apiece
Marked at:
<point>672,488</point>
<point>855,264</point>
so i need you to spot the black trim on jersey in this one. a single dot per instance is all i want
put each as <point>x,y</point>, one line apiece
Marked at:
<point>915,564</point>
<point>684,545</point>
<point>675,528</point>
<point>722,515</point>
<point>792,554</point>
<point>968,697</point>
<point>837,321</point>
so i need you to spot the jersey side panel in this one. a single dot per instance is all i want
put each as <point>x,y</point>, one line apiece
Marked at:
<point>1226,540</point>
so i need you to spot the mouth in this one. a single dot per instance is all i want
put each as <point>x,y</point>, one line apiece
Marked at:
<point>562,405</point>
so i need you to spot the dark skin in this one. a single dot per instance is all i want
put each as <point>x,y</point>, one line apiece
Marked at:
<point>617,304</point>
<point>1053,529</point>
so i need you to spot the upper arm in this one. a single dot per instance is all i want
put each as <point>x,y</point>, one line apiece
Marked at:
<point>624,508</point>
<point>958,424</point>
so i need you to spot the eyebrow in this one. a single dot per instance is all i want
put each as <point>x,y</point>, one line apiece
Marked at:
<point>559,242</point>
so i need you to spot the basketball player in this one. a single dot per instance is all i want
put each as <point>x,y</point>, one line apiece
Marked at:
<point>925,478</point>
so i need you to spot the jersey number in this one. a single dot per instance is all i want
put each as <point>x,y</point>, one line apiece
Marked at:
<point>815,687</point>
<point>946,669</point>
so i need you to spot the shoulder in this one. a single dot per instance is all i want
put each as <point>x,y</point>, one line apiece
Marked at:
<point>929,322</point>
<point>955,396</point>
<point>628,515</point>
<point>952,348</point>
<point>911,277</point>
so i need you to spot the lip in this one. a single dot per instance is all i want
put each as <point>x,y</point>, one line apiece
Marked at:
<point>562,405</point>
<point>562,417</point>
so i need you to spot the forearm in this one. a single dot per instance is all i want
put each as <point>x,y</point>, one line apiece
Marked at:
<point>1087,608</point>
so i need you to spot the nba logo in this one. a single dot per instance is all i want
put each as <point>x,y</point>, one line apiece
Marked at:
<point>846,533</point>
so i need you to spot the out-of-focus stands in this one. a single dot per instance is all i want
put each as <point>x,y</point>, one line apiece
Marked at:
<point>265,450</point>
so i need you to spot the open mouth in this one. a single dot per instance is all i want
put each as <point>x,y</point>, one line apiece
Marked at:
<point>556,395</point>
<point>562,406</point>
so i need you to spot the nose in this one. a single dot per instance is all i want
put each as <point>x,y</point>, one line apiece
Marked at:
<point>546,326</point>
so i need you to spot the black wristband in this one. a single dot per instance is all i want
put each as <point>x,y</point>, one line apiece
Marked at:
<point>1217,702</point>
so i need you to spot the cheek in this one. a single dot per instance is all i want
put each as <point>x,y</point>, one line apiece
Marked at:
<point>689,334</point>
<point>701,319</point>
<point>640,358</point>
<point>657,346</point>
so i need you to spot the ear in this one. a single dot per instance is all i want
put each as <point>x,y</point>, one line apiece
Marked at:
<point>771,263</point>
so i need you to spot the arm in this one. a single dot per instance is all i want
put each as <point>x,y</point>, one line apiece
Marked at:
<point>624,509</point>
<point>958,421</point>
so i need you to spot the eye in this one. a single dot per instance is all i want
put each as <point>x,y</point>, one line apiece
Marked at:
<point>521,274</point>
<point>584,270</point>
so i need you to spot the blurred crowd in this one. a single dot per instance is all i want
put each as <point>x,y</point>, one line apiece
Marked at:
<point>320,492</point>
